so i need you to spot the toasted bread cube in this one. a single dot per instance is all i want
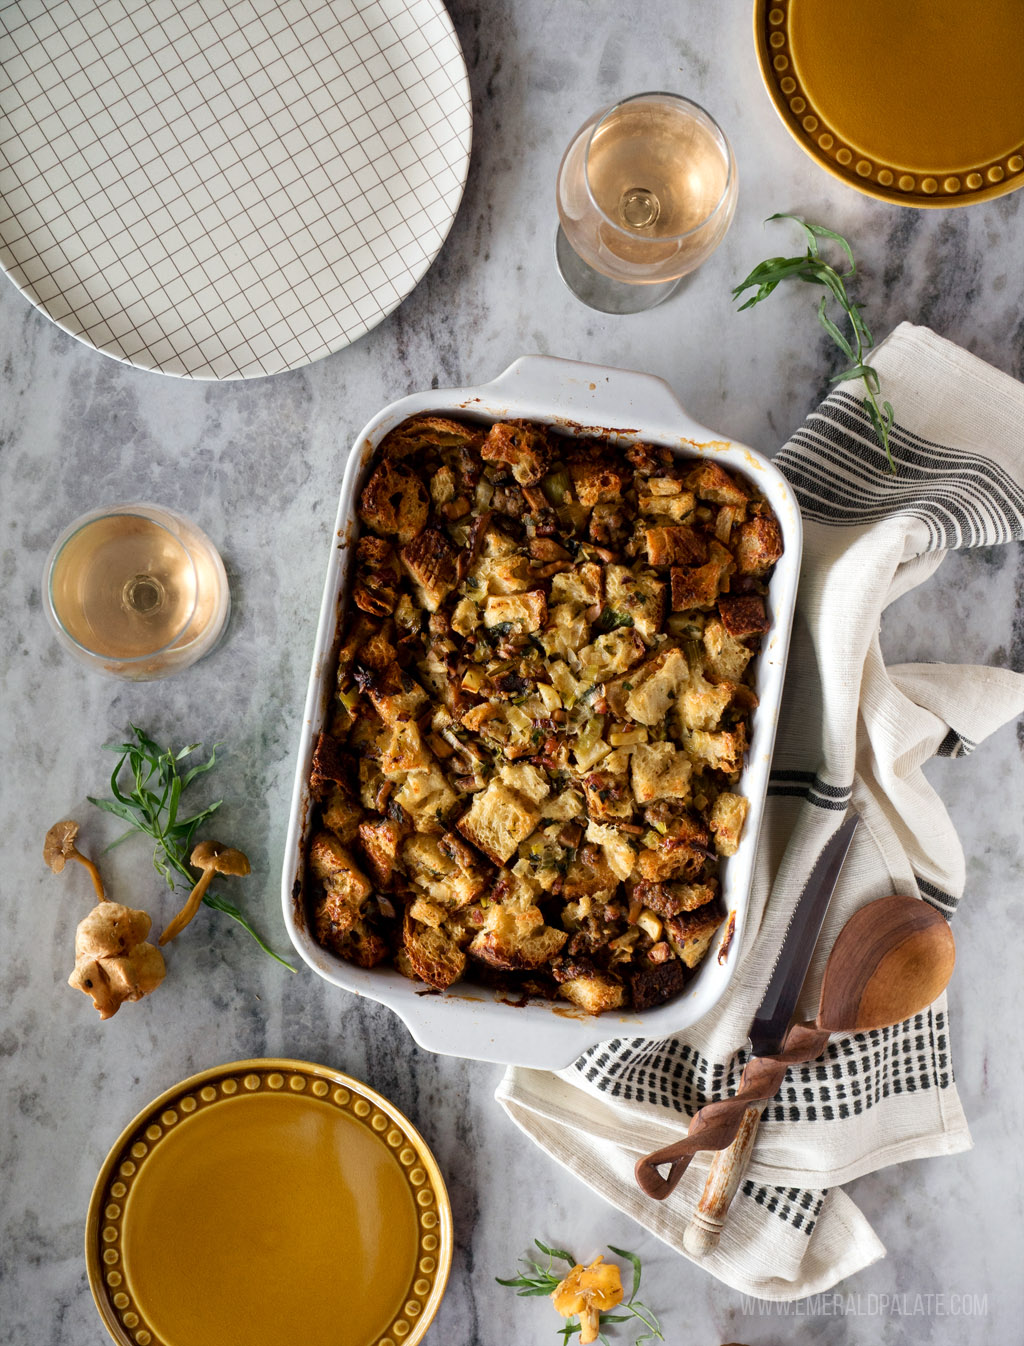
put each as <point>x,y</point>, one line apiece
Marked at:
<point>528,611</point>
<point>377,576</point>
<point>589,876</point>
<point>594,992</point>
<point>690,933</point>
<point>664,677</point>
<point>434,956</point>
<point>672,508</point>
<point>396,695</point>
<point>722,751</point>
<point>422,432</point>
<point>703,703</point>
<point>345,886</point>
<point>499,575</point>
<point>664,486</point>
<point>759,546</point>
<point>677,545</point>
<point>527,780</point>
<point>442,486</point>
<point>466,617</point>
<point>404,750</point>
<point>583,585</point>
<point>496,542</point>
<point>380,842</point>
<point>699,588</point>
<point>640,596</point>
<point>424,859</point>
<point>616,846</point>
<point>342,814</point>
<point>428,798</point>
<point>426,913</point>
<point>358,943</point>
<point>669,862</point>
<point>563,807</point>
<point>333,864</point>
<point>728,814</point>
<point>394,501</point>
<point>498,820</point>
<point>430,561</point>
<point>660,771</point>
<point>611,654</point>
<point>711,482</point>
<point>593,480</point>
<point>378,653</point>
<point>520,446</point>
<point>743,614</point>
<point>669,899</point>
<point>608,796</point>
<point>725,656</point>
<point>371,781</point>
<point>517,940</point>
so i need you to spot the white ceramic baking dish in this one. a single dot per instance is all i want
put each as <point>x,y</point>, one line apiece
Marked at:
<point>577,399</point>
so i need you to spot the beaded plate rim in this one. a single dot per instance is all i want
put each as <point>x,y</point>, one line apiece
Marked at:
<point>122,1317</point>
<point>883,181</point>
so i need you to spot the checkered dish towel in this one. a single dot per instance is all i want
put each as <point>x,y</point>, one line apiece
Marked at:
<point>851,729</point>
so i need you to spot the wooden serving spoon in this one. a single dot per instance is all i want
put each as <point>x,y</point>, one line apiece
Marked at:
<point>891,959</point>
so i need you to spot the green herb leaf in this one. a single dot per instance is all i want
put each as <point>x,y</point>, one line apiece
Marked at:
<point>811,269</point>
<point>152,807</point>
<point>610,620</point>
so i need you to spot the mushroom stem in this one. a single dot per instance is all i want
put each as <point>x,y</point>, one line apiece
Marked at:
<point>94,873</point>
<point>178,924</point>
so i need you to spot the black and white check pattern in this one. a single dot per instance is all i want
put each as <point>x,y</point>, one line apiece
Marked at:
<point>227,188</point>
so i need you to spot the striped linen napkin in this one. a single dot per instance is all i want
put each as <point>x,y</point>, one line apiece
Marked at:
<point>851,730</point>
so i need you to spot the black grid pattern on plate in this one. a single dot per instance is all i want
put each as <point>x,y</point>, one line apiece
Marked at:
<point>226,188</point>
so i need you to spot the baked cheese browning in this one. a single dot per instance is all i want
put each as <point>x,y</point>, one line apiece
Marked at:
<point>544,686</point>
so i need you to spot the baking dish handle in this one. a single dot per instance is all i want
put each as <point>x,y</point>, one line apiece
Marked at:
<point>595,395</point>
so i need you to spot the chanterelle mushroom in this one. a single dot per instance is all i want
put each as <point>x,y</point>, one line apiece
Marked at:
<point>212,857</point>
<point>112,963</point>
<point>59,847</point>
<point>589,1292</point>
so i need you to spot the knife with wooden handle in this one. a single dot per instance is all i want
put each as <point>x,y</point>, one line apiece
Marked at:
<point>730,1126</point>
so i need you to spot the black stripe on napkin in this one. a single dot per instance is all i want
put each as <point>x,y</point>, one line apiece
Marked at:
<point>807,785</point>
<point>840,476</point>
<point>935,897</point>
<point>797,1207</point>
<point>954,745</point>
<point>851,1076</point>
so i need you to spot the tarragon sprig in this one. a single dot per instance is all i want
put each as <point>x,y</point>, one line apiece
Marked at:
<point>814,270</point>
<point>544,1280</point>
<point>152,806</point>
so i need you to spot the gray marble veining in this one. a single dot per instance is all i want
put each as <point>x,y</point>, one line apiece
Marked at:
<point>258,465</point>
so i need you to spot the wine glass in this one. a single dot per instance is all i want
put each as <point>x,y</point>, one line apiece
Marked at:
<point>646,191</point>
<point>136,591</point>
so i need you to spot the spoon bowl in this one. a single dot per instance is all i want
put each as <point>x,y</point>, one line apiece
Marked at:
<point>891,959</point>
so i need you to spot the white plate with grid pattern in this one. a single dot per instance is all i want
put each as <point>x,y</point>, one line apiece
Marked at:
<point>227,189</point>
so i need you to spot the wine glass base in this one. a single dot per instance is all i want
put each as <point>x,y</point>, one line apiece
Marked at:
<point>600,292</point>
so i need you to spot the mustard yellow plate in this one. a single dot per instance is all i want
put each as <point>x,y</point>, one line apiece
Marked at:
<point>920,102</point>
<point>269,1203</point>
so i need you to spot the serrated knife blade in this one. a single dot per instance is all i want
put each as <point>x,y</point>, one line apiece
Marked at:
<point>772,1019</point>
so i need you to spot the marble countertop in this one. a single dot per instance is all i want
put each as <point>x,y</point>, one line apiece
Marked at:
<point>258,465</point>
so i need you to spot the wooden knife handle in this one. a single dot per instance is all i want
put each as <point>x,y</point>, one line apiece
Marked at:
<point>716,1125</point>
<point>706,1223</point>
